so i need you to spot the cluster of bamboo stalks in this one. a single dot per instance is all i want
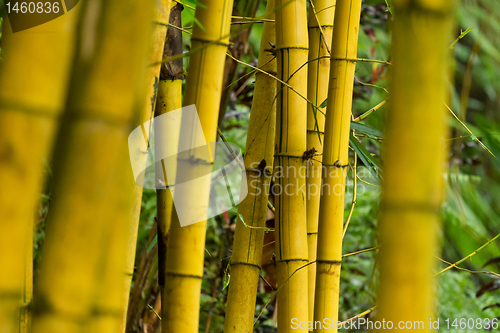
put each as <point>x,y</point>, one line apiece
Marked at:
<point>88,258</point>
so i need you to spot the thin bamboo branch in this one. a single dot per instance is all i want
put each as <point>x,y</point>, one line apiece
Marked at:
<point>470,255</point>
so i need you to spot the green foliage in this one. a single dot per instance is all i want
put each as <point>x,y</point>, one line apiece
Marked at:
<point>457,299</point>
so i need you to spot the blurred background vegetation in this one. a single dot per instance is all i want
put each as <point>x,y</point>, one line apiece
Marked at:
<point>471,213</point>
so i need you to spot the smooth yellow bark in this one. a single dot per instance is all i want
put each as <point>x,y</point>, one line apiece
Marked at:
<point>157,41</point>
<point>414,163</point>
<point>247,249</point>
<point>186,245</point>
<point>169,99</point>
<point>335,160</point>
<point>33,82</point>
<point>80,284</point>
<point>290,175</point>
<point>317,92</point>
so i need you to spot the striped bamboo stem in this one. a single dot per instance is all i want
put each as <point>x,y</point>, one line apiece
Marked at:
<point>290,166</point>
<point>259,151</point>
<point>169,99</point>
<point>335,161</point>
<point>320,33</point>
<point>186,245</point>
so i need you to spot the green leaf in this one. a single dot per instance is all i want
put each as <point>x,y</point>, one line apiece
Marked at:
<point>198,23</point>
<point>368,160</point>
<point>153,243</point>
<point>227,277</point>
<point>369,131</point>
<point>462,35</point>
<point>389,8</point>
<point>324,103</point>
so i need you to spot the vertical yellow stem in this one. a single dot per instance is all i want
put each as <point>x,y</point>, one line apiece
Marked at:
<point>335,161</point>
<point>414,163</point>
<point>317,92</point>
<point>80,285</point>
<point>291,126</point>
<point>186,245</point>
<point>33,79</point>
<point>247,248</point>
<point>157,41</point>
<point>169,99</point>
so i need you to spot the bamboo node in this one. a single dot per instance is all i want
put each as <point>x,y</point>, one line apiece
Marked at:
<point>322,26</point>
<point>272,50</point>
<point>337,164</point>
<point>244,264</point>
<point>332,262</point>
<point>217,42</point>
<point>308,154</point>
<point>287,155</point>
<point>314,131</point>
<point>408,205</point>
<point>347,59</point>
<point>184,275</point>
<point>289,260</point>
<point>292,47</point>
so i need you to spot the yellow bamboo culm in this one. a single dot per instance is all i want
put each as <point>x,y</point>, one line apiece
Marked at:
<point>186,245</point>
<point>320,36</point>
<point>247,249</point>
<point>32,96</point>
<point>169,99</point>
<point>290,166</point>
<point>335,161</point>
<point>414,163</point>
<point>157,40</point>
<point>79,288</point>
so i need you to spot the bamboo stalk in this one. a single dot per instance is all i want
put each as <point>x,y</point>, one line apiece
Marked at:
<point>247,248</point>
<point>413,188</point>
<point>169,99</point>
<point>80,285</point>
<point>185,249</point>
<point>320,33</point>
<point>157,41</point>
<point>32,93</point>
<point>291,126</point>
<point>335,160</point>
